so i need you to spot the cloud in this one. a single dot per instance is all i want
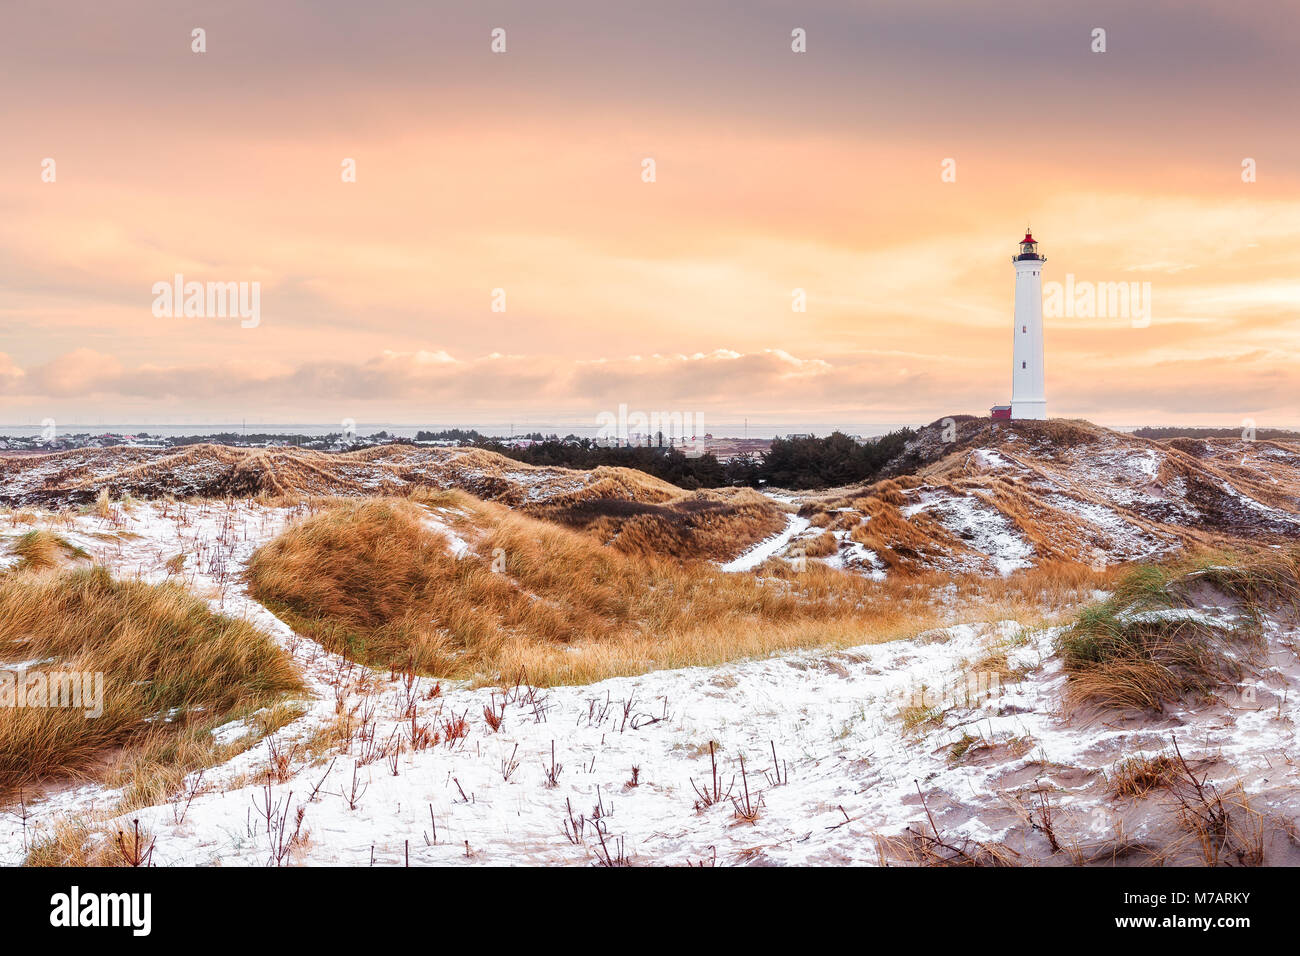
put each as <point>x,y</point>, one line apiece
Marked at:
<point>522,172</point>
<point>863,386</point>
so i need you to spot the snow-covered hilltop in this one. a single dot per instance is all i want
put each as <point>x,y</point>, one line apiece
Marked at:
<point>995,498</point>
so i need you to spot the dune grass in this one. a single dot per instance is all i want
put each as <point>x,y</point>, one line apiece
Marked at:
<point>1148,644</point>
<point>168,663</point>
<point>716,524</point>
<point>83,842</point>
<point>536,601</point>
<point>1138,775</point>
<point>41,549</point>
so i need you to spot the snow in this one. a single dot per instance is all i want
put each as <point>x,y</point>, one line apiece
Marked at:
<point>982,528</point>
<point>24,665</point>
<point>458,546</point>
<point>229,733</point>
<point>989,458</point>
<point>768,547</point>
<point>843,752</point>
<point>854,556</point>
<point>1258,506</point>
<point>849,764</point>
<point>1147,464</point>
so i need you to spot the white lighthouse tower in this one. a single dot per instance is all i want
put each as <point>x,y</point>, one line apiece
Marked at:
<point>1028,399</point>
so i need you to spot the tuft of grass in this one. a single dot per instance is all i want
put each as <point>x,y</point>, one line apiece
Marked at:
<point>1125,661</point>
<point>821,546</point>
<point>963,745</point>
<point>78,842</point>
<point>372,580</point>
<point>155,766</point>
<point>635,517</point>
<point>41,549</point>
<point>1147,644</point>
<point>915,716</point>
<point>1258,580</point>
<point>167,661</point>
<point>1138,776</point>
<point>103,506</point>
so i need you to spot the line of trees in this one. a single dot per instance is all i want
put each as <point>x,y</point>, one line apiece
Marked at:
<point>796,463</point>
<point>1174,431</point>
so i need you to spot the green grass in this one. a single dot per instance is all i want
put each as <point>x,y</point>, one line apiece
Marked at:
<point>1128,652</point>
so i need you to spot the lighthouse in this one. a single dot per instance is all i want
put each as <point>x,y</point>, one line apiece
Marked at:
<point>1028,399</point>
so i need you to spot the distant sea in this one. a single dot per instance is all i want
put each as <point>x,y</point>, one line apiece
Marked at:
<point>585,429</point>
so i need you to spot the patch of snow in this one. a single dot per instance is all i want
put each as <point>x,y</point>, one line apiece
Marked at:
<point>854,556</point>
<point>768,547</point>
<point>990,458</point>
<point>1147,464</point>
<point>980,527</point>
<point>458,546</point>
<point>228,733</point>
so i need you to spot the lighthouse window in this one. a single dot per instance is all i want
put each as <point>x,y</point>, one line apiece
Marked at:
<point>1024,328</point>
<point>1024,365</point>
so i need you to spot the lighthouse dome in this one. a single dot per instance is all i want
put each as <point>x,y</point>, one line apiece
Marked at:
<point>1028,246</point>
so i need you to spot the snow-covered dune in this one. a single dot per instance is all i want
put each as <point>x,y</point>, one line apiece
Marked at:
<point>839,748</point>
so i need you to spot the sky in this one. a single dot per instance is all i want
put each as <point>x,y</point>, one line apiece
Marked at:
<point>882,178</point>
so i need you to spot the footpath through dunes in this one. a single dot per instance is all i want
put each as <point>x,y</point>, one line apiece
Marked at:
<point>628,509</point>
<point>987,499</point>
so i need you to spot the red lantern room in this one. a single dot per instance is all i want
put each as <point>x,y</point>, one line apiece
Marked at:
<point>1028,247</point>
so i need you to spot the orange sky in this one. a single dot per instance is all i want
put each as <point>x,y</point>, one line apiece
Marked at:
<point>522,171</point>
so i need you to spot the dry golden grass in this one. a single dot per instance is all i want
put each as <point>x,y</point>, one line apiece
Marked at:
<point>629,509</point>
<point>906,544</point>
<point>80,842</point>
<point>38,549</point>
<point>926,846</point>
<point>88,476</point>
<point>1224,827</point>
<point>154,767</point>
<point>903,544</point>
<point>103,507</point>
<point>822,546</point>
<point>996,662</point>
<point>1138,776</point>
<point>1146,663</point>
<point>371,580</point>
<point>166,660</point>
<point>41,549</point>
<point>1052,484</point>
<point>638,514</point>
<point>1258,579</point>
